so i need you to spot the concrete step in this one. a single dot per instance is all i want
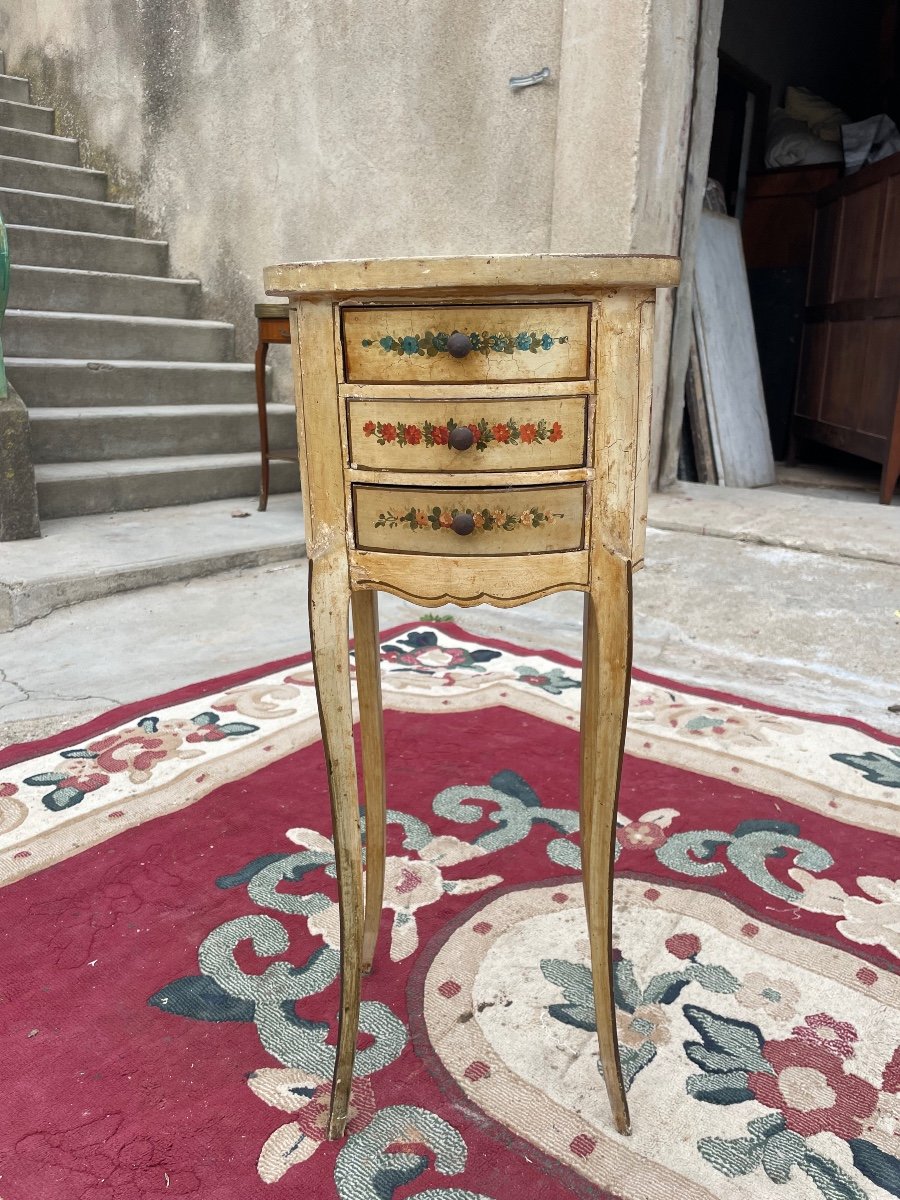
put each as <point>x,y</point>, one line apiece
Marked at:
<point>58,382</point>
<point>94,335</point>
<point>26,116</point>
<point>33,245</point>
<point>69,489</point>
<point>43,147</point>
<point>771,517</point>
<point>66,212</point>
<point>85,558</point>
<point>28,175</point>
<point>67,435</point>
<point>14,88</point>
<point>61,290</point>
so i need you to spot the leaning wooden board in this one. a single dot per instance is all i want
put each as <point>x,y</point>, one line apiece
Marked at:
<point>729,361</point>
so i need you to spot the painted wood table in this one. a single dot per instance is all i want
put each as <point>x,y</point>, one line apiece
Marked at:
<point>471,431</point>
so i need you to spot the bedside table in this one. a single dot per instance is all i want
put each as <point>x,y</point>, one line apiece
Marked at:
<point>471,431</point>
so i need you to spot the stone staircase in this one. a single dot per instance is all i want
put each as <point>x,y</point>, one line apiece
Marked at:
<point>134,401</point>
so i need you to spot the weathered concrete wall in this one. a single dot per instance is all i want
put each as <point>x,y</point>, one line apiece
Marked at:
<point>250,133</point>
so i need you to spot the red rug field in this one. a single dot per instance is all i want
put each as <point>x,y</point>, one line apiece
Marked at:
<point>168,955</point>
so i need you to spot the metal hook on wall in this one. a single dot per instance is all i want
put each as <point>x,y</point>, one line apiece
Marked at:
<point>526,81</point>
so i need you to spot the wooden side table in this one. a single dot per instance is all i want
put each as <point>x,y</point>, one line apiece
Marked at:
<point>471,431</point>
<point>273,327</point>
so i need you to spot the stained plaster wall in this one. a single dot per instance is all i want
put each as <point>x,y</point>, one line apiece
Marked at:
<point>248,133</point>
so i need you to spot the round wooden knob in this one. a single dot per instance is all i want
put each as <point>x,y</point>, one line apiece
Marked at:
<point>459,344</point>
<point>463,523</point>
<point>461,438</point>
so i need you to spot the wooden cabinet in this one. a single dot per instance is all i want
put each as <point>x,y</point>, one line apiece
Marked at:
<point>777,232</point>
<point>780,213</point>
<point>471,431</point>
<point>848,395</point>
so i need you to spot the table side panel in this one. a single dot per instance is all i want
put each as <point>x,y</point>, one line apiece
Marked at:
<point>621,421</point>
<point>319,429</point>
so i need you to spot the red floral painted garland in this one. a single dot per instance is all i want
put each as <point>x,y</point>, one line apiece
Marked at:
<point>505,433</point>
<point>487,519</point>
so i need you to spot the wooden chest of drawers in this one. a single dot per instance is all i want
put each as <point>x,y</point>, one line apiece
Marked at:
<point>471,430</point>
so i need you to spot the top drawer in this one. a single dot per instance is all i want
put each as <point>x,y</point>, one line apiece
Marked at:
<point>506,343</point>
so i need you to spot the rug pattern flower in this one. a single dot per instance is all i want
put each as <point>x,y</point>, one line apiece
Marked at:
<point>174,966</point>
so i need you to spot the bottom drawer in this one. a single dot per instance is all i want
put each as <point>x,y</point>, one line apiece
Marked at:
<point>485,521</point>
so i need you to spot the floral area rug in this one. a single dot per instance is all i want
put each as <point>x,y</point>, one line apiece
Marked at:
<point>169,948</point>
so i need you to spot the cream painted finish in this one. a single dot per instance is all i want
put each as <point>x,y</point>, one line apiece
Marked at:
<point>542,433</point>
<point>363,536</point>
<point>526,520</point>
<point>514,343</point>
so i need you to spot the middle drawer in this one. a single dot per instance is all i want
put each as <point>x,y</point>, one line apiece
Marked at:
<point>467,435</point>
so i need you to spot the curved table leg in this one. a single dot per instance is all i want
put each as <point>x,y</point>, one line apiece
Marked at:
<point>328,613</point>
<point>604,707</point>
<point>364,606</point>
<point>262,350</point>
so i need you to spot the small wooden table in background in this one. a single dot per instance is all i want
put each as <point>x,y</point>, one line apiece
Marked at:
<point>274,327</point>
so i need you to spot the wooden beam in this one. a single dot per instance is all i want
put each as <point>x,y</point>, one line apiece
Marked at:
<point>706,75</point>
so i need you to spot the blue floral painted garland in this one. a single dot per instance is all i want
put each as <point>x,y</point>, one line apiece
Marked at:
<point>432,344</point>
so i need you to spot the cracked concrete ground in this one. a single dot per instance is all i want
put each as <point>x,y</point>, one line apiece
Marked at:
<point>798,628</point>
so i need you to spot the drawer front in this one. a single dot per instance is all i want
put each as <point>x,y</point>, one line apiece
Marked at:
<point>528,520</point>
<point>506,435</point>
<point>509,343</point>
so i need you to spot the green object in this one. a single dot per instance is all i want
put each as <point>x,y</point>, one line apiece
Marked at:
<point>4,293</point>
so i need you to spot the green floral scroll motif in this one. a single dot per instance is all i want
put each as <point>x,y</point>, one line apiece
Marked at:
<point>373,1166</point>
<point>489,520</point>
<point>430,344</point>
<point>748,849</point>
<point>223,991</point>
<point>875,768</point>
<point>738,1064</point>
<point>509,803</point>
<point>641,1017</point>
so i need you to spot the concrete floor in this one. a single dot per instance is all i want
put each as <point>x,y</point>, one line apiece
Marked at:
<point>808,627</point>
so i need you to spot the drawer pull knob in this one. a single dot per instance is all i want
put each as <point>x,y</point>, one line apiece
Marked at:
<point>461,438</point>
<point>463,523</point>
<point>459,344</point>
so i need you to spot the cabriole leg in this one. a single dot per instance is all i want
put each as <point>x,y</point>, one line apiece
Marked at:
<point>364,606</point>
<point>604,706</point>
<point>328,613</point>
